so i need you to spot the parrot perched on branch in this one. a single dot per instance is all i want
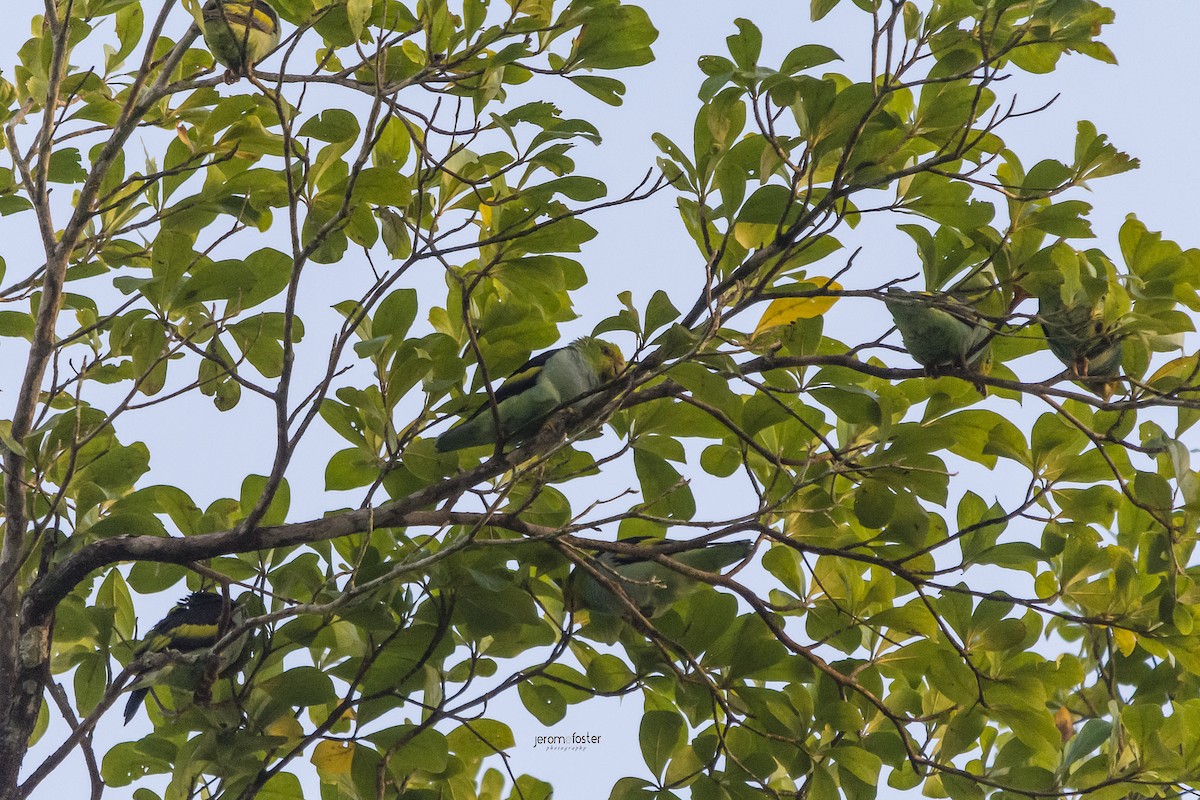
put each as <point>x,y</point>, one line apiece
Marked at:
<point>240,33</point>
<point>652,586</point>
<point>553,380</point>
<point>952,328</point>
<point>1079,336</point>
<point>938,329</point>
<point>193,624</point>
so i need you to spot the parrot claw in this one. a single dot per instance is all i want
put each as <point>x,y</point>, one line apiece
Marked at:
<point>557,426</point>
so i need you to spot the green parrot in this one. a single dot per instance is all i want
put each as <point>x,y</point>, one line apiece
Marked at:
<point>939,330</point>
<point>553,380</point>
<point>1080,338</point>
<point>240,33</point>
<point>653,587</point>
<point>193,624</point>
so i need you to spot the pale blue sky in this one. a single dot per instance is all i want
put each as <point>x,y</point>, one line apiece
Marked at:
<point>1148,106</point>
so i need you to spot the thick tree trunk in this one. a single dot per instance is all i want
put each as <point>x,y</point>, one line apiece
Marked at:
<point>25,649</point>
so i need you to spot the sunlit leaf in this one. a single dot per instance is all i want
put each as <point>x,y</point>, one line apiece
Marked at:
<point>787,310</point>
<point>333,758</point>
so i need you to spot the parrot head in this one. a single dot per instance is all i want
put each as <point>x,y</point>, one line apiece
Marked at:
<point>610,360</point>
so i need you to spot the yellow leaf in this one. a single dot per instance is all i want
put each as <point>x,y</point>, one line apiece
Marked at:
<point>787,310</point>
<point>485,214</point>
<point>1126,640</point>
<point>752,235</point>
<point>6,438</point>
<point>193,7</point>
<point>357,13</point>
<point>344,723</point>
<point>1183,370</point>
<point>1065,722</point>
<point>286,727</point>
<point>182,134</point>
<point>332,759</point>
<point>318,715</point>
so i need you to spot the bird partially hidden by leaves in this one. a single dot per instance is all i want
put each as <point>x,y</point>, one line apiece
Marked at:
<point>240,33</point>
<point>651,585</point>
<point>946,329</point>
<point>193,624</point>
<point>556,379</point>
<point>1079,336</point>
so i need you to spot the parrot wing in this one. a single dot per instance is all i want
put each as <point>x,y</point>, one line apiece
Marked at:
<point>572,374</point>
<point>653,587</point>
<point>715,557</point>
<point>934,336</point>
<point>1080,339</point>
<point>543,385</point>
<point>524,378</point>
<point>524,397</point>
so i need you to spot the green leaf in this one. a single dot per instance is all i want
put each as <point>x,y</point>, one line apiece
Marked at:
<point>660,735</point>
<point>335,125</point>
<point>1095,157</point>
<point>350,469</point>
<point>301,686</point>
<point>860,763</point>
<point>16,324</point>
<point>128,761</point>
<point>613,36</point>
<point>663,488</point>
<point>819,8</point>
<point>357,14</point>
<point>947,202</point>
<point>480,739</point>
<point>1046,176</point>
<point>130,21</point>
<point>395,314</point>
<point>426,750</point>
<point>114,595</point>
<point>542,700</point>
<point>66,166</point>
<point>1153,490</point>
<point>784,563</point>
<point>746,45</point>
<point>252,489</point>
<point>608,673</point>
<point>280,786</point>
<point>632,789</point>
<point>659,312</point>
<point>91,679</point>
<point>607,90</point>
<point>807,56</point>
<point>721,460</point>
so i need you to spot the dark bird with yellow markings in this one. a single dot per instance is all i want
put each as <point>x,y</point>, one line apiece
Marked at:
<point>193,624</point>
<point>240,33</point>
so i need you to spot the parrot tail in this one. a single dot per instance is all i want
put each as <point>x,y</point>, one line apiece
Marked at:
<point>135,702</point>
<point>472,433</point>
